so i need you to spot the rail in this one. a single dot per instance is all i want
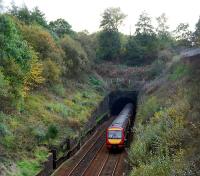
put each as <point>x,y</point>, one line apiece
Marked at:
<point>80,168</point>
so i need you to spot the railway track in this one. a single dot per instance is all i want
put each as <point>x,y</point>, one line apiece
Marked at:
<point>107,168</point>
<point>110,165</point>
<point>95,161</point>
<point>80,168</point>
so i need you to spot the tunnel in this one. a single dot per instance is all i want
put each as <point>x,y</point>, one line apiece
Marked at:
<point>119,104</point>
<point>118,99</point>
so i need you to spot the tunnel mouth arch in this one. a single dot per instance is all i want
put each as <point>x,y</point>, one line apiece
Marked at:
<point>119,104</point>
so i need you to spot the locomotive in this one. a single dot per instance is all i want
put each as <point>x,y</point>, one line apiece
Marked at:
<point>116,133</point>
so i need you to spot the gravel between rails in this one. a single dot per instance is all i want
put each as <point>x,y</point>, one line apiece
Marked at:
<point>84,163</point>
<point>110,165</point>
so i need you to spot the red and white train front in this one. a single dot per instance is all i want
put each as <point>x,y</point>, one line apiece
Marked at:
<point>116,133</point>
<point>115,137</point>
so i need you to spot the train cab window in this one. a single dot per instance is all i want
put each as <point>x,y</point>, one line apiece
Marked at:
<point>115,134</point>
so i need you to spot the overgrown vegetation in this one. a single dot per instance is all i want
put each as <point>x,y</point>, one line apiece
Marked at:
<point>167,137</point>
<point>49,85</point>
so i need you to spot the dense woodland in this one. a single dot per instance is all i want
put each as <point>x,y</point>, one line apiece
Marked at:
<point>47,77</point>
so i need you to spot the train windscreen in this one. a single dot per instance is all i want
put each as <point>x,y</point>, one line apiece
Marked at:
<point>115,134</point>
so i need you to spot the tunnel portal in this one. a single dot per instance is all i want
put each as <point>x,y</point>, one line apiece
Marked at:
<point>118,99</point>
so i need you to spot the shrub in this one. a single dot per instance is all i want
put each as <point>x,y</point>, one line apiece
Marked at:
<point>157,68</point>
<point>178,72</point>
<point>58,89</point>
<point>34,77</point>
<point>16,60</point>
<point>148,108</point>
<point>75,58</point>
<point>42,42</point>
<point>165,55</point>
<point>11,43</point>
<point>4,130</point>
<point>158,144</point>
<point>28,167</point>
<point>41,154</point>
<point>59,108</point>
<point>51,72</point>
<point>8,141</point>
<point>39,133</point>
<point>4,85</point>
<point>158,166</point>
<point>52,132</point>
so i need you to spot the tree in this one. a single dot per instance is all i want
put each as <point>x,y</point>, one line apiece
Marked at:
<point>61,27</point>
<point>142,48</point>
<point>183,35</point>
<point>11,43</point>
<point>16,58</point>
<point>87,43</point>
<point>38,17</point>
<point>109,38</point>
<point>164,37</point>
<point>75,58</point>
<point>144,26</point>
<point>27,16</point>
<point>41,41</point>
<point>22,13</point>
<point>112,18</point>
<point>197,33</point>
<point>162,28</point>
<point>109,45</point>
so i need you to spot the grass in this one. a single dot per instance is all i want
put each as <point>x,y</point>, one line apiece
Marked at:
<point>47,119</point>
<point>178,72</point>
<point>59,108</point>
<point>28,167</point>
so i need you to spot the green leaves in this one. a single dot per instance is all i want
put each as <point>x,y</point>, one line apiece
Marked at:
<point>75,58</point>
<point>112,19</point>
<point>109,45</point>
<point>61,27</point>
<point>11,44</point>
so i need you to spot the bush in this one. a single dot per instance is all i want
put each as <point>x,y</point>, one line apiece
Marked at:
<point>178,72</point>
<point>41,154</point>
<point>58,89</point>
<point>75,59</point>
<point>157,68</point>
<point>42,42</point>
<point>88,44</point>
<point>158,166</point>
<point>4,130</point>
<point>59,108</point>
<point>109,45</point>
<point>165,55</point>
<point>51,72</point>
<point>52,132</point>
<point>4,85</point>
<point>148,108</point>
<point>17,60</point>
<point>158,144</point>
<point>34,77</point>
<point>28,167</point>
<point>39,133</point>
<point>11,43</point>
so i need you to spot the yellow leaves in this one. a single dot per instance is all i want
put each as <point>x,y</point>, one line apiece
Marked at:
<point>52,72</point>
<point>34,77</point>
<point>69,102</point>
<point>157,116</point>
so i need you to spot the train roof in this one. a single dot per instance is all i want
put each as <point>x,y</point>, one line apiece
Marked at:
<point>123,116</point>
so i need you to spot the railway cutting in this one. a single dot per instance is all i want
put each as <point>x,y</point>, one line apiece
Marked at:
<point>104,153</point>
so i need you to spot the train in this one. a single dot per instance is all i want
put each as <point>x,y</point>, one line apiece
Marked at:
<point>116,133</point>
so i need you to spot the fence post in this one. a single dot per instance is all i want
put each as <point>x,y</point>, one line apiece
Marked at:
<point>68,144</point>
<point>54,152</point>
